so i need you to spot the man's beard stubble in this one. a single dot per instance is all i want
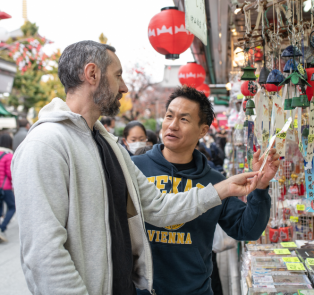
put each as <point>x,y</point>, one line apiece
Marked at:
<point>106,101</point>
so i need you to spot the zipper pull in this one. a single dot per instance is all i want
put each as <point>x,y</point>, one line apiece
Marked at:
<point>153,292</point>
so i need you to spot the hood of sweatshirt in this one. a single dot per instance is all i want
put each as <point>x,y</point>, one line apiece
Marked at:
<point>201,170</point>
<point>57,110</point>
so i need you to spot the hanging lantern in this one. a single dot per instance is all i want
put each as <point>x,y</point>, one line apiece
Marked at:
<point>272,87</point>
<point>290,65</point>
<point>167,33</point>
<point>291,51</point>
<point>263,76</point>
<point>300,101</point>
<point>248,74</point>
<point>249,89</point>
<point>258,55</point>
<point>192,74</point>
<point>205,89</point>
<point>249,108</point>
<point>275,77</point>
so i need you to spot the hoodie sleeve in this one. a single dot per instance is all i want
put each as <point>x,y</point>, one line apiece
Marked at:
<point>167,209</point>
<point>41,193</point>
<point>246,221</point>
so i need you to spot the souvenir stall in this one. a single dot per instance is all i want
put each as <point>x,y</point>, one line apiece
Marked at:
<point>272,105</point>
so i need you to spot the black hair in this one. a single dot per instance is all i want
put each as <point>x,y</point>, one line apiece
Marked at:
<point>131,125</point>
<point>6,140</point>
<point>106,120</point>
<point>76,56</point>
<point>206,112</point>
<point>151,137</point>
<point>143,150</point>
<point>23,122</point>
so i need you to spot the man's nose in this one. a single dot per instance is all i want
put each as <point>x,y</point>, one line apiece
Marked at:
<point>174,124</point>
<point>123,88</point>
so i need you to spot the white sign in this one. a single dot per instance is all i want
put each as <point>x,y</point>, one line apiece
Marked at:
<point>195,19</point>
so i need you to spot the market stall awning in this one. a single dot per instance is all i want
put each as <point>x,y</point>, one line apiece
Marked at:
<point>4,112</point>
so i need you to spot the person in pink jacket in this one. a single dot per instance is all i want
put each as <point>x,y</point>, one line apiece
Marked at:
<point>6,155</point>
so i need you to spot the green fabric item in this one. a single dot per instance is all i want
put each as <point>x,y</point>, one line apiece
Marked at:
<point>4,112</point>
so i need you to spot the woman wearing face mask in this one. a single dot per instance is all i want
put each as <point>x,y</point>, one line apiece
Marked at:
<point>135,137</point>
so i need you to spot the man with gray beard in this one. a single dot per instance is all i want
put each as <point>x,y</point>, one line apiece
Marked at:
<point>81,202</point>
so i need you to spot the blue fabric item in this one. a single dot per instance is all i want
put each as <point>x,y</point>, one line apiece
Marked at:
<point>10,201</point>
<point>291,51</point>
<point>182,256</point>
<point>275,77</point>
<point>290,65</point>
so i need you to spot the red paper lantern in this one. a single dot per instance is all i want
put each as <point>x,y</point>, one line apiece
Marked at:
<point>272,87</point>
<point>4,15</point>
<point>245,88</point>
<point>310,90</point>
<point>258,55</point>
<point>167,33</point>
<point>192,74</point>
<point>205,89</point>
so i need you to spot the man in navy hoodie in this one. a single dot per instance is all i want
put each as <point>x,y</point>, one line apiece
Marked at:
<point>182,253</point>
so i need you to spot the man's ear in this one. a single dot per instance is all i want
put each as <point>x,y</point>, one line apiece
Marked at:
<point>204,130</point>
<point>91,74</point>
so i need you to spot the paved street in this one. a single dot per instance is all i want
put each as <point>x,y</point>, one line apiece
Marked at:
<point>12,280</point>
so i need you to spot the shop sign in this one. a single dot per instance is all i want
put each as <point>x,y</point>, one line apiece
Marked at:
<point>195,19</point>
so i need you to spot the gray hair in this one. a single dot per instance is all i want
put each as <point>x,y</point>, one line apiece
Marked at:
<point>76,56</point>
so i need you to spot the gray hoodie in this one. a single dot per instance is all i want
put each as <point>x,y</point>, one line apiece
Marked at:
<point>62,207</point>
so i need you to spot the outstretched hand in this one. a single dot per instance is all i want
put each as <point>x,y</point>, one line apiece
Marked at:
<point>238,185</point>
<point>270,168</point>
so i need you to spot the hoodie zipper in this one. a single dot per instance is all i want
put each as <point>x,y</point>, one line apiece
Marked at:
<point>110,270</point>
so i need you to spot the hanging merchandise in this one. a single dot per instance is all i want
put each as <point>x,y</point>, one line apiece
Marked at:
<point>192,74</point>
<point>167,33</point>
<point>205,89</point>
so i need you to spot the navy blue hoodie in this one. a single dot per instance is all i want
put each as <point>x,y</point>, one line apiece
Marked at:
<point>182,252</point>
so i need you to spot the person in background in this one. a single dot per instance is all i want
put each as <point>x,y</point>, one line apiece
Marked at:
<point>135,136</point>
<point>109,123</point>
<point>221,138</point>
<point>6,155</point>
<point>151,138</point>
<point>21,134</point>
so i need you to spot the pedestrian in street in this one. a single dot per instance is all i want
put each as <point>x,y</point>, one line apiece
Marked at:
<point>134,136</point>
<point>151,138</point>
<point>21,133</point>
<point>6,192</point>
<point>81,201</point>
<point>109,123</point>
<point>182,252</point>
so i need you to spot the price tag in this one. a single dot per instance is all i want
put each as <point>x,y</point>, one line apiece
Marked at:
<point>295,123</point>
<point>238,126</point>
<point>241,165</point>
<point>310,261</point>
<point>294,218</point>
<point>300,207</point>
<point>295,266</point>
<point>311,138</point>
<point>288,244</point>
<point>290,259</point>
<point>281,135</point>
<point>281,251</point>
